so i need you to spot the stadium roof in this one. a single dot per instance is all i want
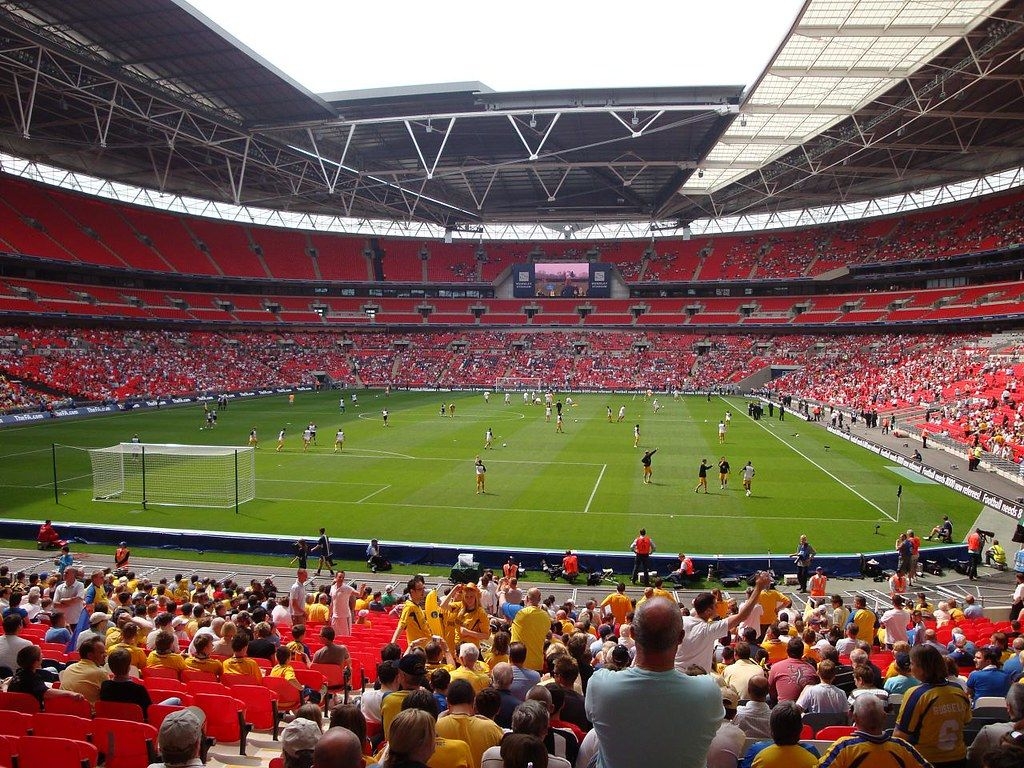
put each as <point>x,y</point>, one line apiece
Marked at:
<point>864,98</point>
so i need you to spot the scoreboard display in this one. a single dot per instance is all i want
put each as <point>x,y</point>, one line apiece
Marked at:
<point>561,280</point>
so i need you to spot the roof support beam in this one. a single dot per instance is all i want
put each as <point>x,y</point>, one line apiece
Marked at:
<point>534,153</point>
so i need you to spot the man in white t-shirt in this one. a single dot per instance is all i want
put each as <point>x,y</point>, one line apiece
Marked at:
<point>895,621</point>
<point>700,633</point>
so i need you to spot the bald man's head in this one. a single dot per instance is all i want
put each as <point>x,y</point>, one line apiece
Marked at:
<point>657,625</point>
<point>338,748</point>
<point>533,596</point>
<point>501,675</point>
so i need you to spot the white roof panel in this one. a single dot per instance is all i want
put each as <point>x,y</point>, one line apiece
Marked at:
<point>839,56</point>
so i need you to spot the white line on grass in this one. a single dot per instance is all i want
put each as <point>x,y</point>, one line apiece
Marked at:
<point>379,490</point>
<point>574,512</point>
<point>594,492</point>
<point>808,459</point>
<point>49,483</point>
<point>312,482</point>
<point>291,454</point>
<point>25,453</point>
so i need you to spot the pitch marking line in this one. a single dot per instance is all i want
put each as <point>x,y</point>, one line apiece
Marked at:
<point>593,493</point>
<point>370,496</point>
<point>388,454</point>
<point>24,453</point>
<point>574,512</point>
<point>808,459</point>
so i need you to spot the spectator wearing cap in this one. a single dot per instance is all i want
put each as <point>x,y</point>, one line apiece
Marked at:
<point>98,623</point>
<point>298,741</point>
<point>389,599</point>
<point>411,669</point>
<point>727,746</point>
<point>465,611</point>
<point>181,739</point>
<point>460,721</point>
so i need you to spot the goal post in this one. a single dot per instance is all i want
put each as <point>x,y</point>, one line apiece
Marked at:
<point>520,384</point>
<point>210,476</point>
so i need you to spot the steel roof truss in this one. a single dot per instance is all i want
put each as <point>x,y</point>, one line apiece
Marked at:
<point>552,194</point>
<point>419,152</point>
<point>479,201</point>
<point>25,111</point>
<point>532,153</point>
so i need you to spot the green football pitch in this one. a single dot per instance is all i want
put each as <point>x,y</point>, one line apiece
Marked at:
<point>414,480</point>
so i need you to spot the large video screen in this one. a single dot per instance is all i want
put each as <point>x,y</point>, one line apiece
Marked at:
<point>561,280</point>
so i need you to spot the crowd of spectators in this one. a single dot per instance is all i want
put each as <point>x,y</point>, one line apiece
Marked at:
<point>504,670</point>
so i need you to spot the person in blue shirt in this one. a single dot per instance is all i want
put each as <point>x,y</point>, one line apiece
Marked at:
<point>65,561</point>
<point>988,679</point>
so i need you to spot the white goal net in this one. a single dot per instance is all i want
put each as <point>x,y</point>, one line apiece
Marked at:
<point>520,384</point>
<point>176,475</point>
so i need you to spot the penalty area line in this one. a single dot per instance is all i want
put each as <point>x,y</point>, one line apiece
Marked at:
<point>370,496</point>
<point>811,461</point>
<point>597,484</point>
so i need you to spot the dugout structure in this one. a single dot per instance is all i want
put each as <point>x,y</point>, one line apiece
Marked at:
<point>214,476</point>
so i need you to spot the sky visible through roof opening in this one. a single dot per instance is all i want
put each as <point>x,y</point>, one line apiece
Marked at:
<point>328,46</point>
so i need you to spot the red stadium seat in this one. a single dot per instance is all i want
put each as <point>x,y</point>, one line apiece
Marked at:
<point>15,723</point>
<point>19,702</point>
<point>125,744</point>
<point>66,705</point>
<point>225,719</point>
<point>120,710</point>
<point>45,752</point>
<point>62,726</point>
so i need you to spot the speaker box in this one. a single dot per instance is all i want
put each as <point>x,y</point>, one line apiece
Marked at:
<point>464,574</point>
